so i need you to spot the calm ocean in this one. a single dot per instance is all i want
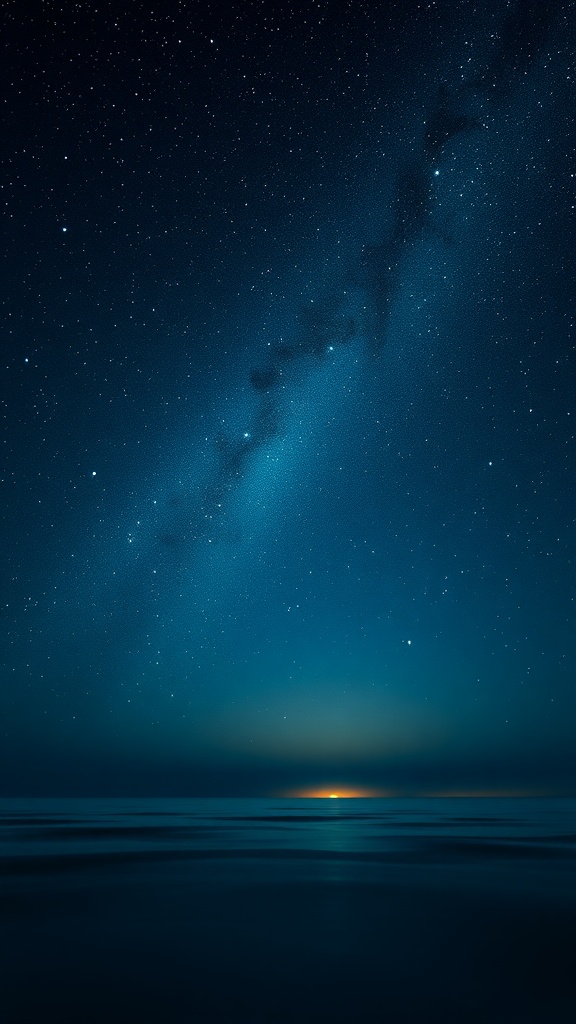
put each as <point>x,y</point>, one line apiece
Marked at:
<point>285,910</point>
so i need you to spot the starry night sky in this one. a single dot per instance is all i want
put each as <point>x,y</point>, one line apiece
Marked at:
<point>288,397</point>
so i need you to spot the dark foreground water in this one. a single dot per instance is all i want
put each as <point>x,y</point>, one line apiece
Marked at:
<point>288,911</point>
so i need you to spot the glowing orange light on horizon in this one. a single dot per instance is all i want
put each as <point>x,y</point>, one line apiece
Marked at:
<point>344,793</point>
<point>347,793</point>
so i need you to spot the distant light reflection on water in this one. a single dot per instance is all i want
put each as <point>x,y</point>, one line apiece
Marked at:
<point>249,910</point>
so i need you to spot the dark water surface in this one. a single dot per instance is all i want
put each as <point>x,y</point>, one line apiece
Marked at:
<point>448,910</point>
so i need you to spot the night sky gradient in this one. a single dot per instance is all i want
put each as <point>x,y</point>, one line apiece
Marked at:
<point>289,399</point>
